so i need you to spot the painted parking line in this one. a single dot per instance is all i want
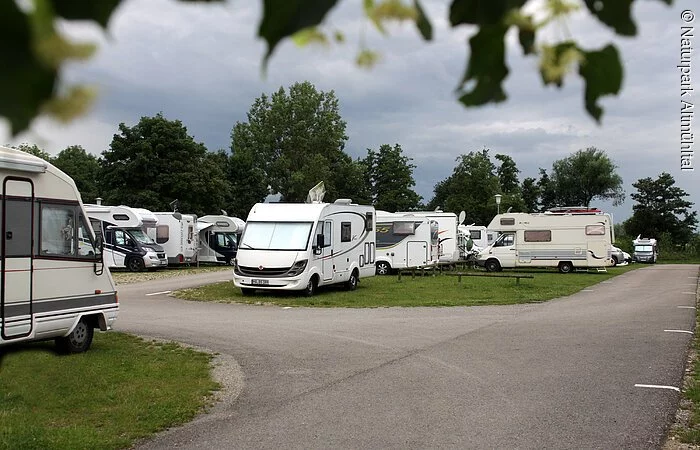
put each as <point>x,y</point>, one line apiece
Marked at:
<point>224,280</point>
<point>657,386</point>
<point>287,307</point>
<point>679,331</point>
<point>607,282</point>
<point>588,290</point>
<point>159,293</point>
<point>689,293</point>
<point>686,307</point>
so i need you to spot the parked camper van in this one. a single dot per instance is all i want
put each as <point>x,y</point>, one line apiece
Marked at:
<point>53,282</point>
<point>126,242</point>
<point>404,241</point>
<point>478,235</point>
<point>218,238</point>
<point>302,246</point>
<point>447,233</point>
<point>645,250</point>
<point>177,234</point>
<point>563,240</point>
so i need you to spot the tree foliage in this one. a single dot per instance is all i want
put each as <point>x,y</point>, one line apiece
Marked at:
<point>530,192</point>
<point>34,149</point>
<point>35,49</point>
<point>661,208</point>
<point>84,168</point>
<point>585,175</point>
<point>156,162</point>
<point>390,177</point>
<point>294,140</point>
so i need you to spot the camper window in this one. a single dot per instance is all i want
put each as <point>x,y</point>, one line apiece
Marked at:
<point>120,217</point>
<point>504,240</point>
<point>595,230</point>
<point>162,234</point>
<point>475,234</point>
<point>62,235</point>
<point>121,238</point>
<point>369,217</point>
<point>345,232</point>
<point>507,221</point>
<point>327,233</point>
<point>404,228</point>
<point>276,235</point>
<point>538,236</point>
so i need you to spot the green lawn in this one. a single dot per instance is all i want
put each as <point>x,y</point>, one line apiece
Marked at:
<point>122,389</point>
<point>439,290</point>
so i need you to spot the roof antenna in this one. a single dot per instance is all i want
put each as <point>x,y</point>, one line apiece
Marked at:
<point>174,204</point>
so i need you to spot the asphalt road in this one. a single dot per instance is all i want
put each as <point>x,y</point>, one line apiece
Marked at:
<point>560,374</point>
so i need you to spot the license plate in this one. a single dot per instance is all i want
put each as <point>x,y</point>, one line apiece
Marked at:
<point>259,282</point>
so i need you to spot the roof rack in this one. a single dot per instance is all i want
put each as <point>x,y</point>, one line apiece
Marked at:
<point>573,210</point>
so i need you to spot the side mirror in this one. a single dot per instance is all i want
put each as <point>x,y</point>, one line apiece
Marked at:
<point>319,241</point>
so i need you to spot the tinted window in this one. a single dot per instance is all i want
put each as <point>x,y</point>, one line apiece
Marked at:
<point>538,236</point>
<point>345,232</point>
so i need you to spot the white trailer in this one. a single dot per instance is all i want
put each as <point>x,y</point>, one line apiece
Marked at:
<point>302,246</point>
<point>447,232</point>
<point>563,240</point>
<point>52,281</point>
<point>405,241</point>
<point>645,250</point>
<point>126,242</point>
<point>218,238</point>
<point>177,234</point>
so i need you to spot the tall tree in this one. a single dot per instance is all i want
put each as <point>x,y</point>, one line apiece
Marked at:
<point>247,184</point>
<point>507,174</point>
<point>547,191</point>
<point>585,175</point>
<point>470,188</point>
<point>156,162</point>
<point>530,194</point>
<point>34,149</point>
<point>661,208</point>
<point>84,168</point>
<point>390,175</point>
<point>297,139</point>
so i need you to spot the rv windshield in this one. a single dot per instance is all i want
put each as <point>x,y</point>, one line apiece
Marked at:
<point>276,235</point>
<point>642,248</point>
<point>141,237</point>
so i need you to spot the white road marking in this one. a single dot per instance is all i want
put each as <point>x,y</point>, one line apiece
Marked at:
<point>687,307</point>
<point>225,280</point>
<point>693,278</point>
<point>287,307</point>
<point>159,293</point>
<point>607,282</point>
<point>689,293</point>
<point>679,331</point>
<point>588,290</point>
<point>656,386</point>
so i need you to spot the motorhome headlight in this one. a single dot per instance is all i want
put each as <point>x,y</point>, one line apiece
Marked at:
<point>297,268</point>
<point>145,249</point>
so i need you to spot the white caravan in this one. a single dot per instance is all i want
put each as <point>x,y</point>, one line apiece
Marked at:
<point>218,238</point>
<point>301,246</point>
<point>447,232</point>
<point>479,236</point>
<point>177,234</point>
<point>563,240</point>
<point>405,241</point>
<point>126,242</point>
<point>645,250</point>
<point>53,283</point>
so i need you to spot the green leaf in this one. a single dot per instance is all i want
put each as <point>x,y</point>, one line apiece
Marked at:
<point>367,58</point>
<point>310,35</point>
<point>98,10</point>
<point>422,22</point>
<point>283,18</point>
<point>486,66</point>
<point>25,83</point>
<point>615,14</point>
<point>478,12</point>
<point>557,60</point>
<point>602,72</point>
<point>526,34</point>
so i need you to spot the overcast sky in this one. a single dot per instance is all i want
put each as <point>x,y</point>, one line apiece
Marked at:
<point>202,63</point>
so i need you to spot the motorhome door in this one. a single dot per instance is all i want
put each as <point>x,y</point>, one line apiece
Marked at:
<point>417,253</point>
<point>16,309</point>
<point>328,250</point>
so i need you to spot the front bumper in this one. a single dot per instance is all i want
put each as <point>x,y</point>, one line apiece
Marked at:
<point>283,284</point>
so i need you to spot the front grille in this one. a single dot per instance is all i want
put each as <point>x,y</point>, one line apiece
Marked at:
<point>265,272</point>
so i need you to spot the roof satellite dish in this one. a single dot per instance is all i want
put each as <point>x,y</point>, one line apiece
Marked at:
<point>462,216</point>
<point>316,193</point>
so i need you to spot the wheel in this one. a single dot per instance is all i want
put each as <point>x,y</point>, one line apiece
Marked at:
<point>615,261</point>
<point>492,265</point>
<point>135,264</point>
<point>383,268</point>
<point>78,340</point>
<point>247,291</point>
<point>351,284</point>
<point>310,289</point>
<point>566,267</point>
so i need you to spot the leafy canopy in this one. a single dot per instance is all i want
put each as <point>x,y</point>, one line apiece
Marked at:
<point>390,176</point>
<point>34,49</point>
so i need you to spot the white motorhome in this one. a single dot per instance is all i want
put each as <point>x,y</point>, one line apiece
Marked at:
<point>177,234</point>
<point>126,242</point>
<point>406,241</point>
<point>563,240</point>
<point>53,283</point>
<point>218,238</point>
<point>645,250</point>
<point>447,232</point>
<point>480,238</point>
<point>302,246</point>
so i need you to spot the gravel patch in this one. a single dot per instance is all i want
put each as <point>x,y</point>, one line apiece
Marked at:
<point>122,277</point>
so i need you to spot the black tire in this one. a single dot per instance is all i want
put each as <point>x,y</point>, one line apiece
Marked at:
<point>615,261</point>
<point>79,340</point>
<point>310,288</point>
<point>566,267</point>
<point>351,284</point>
<point>383,268</point>
<point>492,265</point>
<point>247,291</point>
<point>135,264</point>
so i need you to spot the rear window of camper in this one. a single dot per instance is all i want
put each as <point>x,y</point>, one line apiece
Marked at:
<point>507,221</point>
<point>120,217</point>
<point>162,234</point>
<point>538,236</point>
<point>595,230</point>
<point>475,234</point>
